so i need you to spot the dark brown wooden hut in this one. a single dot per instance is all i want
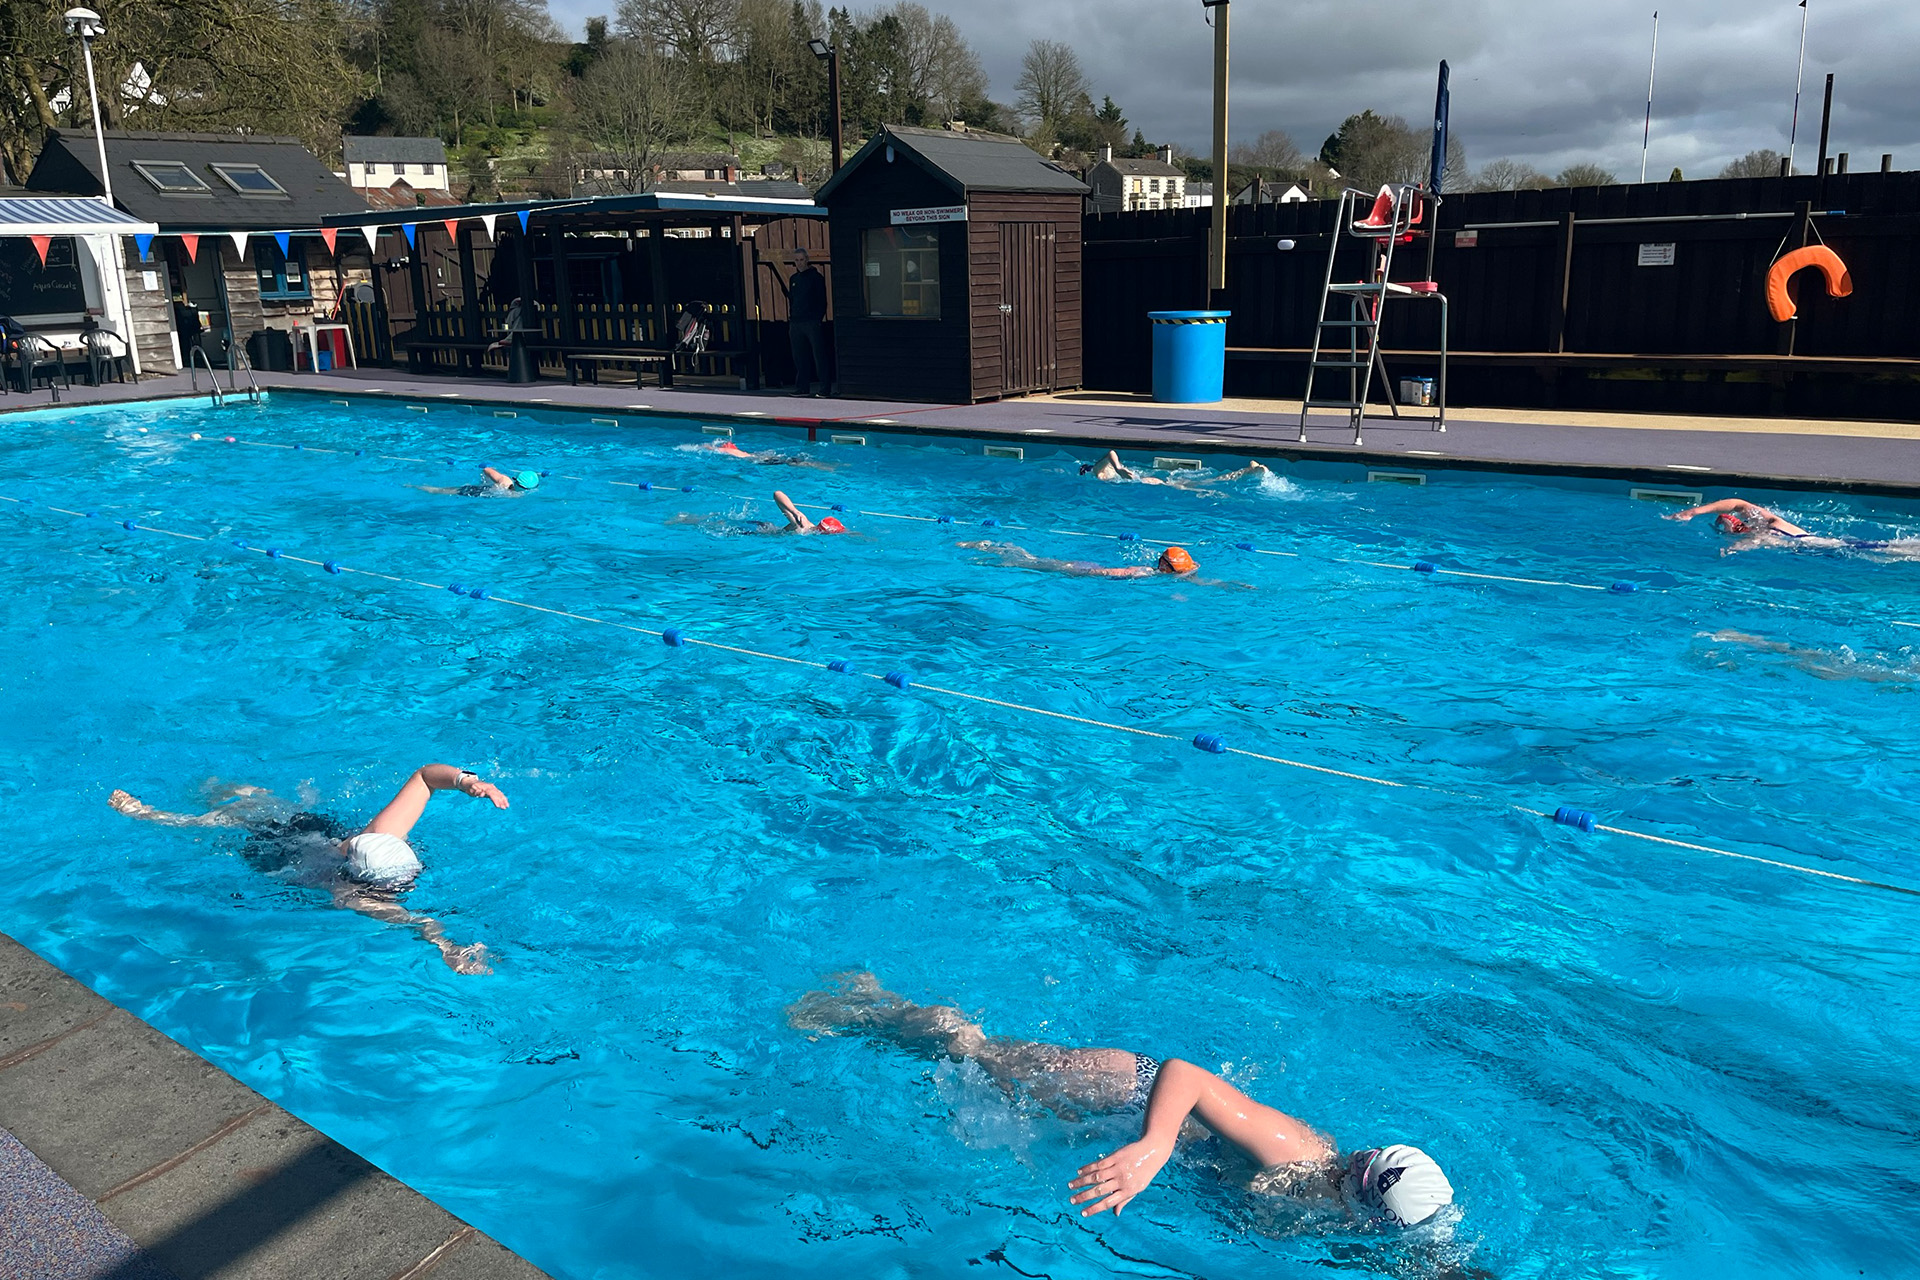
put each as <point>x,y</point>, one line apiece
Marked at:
<point>959,270</point>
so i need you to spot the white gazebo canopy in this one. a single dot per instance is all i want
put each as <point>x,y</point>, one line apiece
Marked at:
<point>67,216</point>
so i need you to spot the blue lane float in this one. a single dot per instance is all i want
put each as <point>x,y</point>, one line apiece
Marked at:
<point>1579,819</point>
<point>674,638</point>
<point>841,666</point>
<point>989,523</point>
<point>1212,742</point>
<point>273,553</point>
<point>331,566</point>
<point>456,588</point>
<point>946,520</point>
<point>1129,537</point>
<point>1425,566</point>
<point>899,679</point>
<point>839,506</point>
<point>686,488</point>
<point>1244,546</point>
<point>128,525</point>
<point>1624,588</point>
<point>479,593</point>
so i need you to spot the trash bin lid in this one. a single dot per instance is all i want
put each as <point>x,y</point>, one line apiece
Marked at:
<point>1188,317</point>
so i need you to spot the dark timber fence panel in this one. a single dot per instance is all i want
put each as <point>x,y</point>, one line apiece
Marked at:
<point>1628,331</point>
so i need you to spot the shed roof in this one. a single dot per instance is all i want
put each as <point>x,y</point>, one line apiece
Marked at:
<point>308,192</point>
<point>966,162</point>
<point>366,149</point>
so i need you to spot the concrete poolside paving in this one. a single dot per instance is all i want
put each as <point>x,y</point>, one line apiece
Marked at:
<point>1864,456</point>
<point>131,1158</point>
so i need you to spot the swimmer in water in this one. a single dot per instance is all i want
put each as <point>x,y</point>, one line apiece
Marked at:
<point>1111,468</point>
<point>1173,560</point>
<point>499,485</point>
<point>797,521</point>
<point>1755,527</point>
<point>367,870</point>
<point>769,457</point>
<point>1822,663</point>
<point>1399,1184</point>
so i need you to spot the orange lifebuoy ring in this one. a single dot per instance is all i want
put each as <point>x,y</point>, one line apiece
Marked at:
<point>1839,282</point>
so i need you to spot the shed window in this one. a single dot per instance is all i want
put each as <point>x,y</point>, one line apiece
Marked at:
<point>281,277</point>
<point>249,180</point>
<point>903,272</point>
<point>170,176</point>
<point>427,169</point>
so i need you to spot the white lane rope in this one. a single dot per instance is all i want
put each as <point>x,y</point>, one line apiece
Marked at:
<point>1578,819</point>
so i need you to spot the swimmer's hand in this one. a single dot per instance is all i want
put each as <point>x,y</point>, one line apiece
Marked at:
<point>1112,1181</point>
<point>471,784</point>
<point>469,959</point>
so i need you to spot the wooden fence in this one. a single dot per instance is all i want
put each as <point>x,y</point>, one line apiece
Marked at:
<point>1550,302</point>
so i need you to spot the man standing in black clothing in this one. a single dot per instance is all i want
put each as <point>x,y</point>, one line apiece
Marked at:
<point>806,325</point>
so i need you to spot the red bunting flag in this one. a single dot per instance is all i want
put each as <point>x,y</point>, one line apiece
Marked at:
<point>452,225</point>
<point>193,247</point>
<point>41,244</point>
<point>328,234</point>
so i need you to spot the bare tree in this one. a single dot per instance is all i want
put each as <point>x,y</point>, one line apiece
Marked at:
<point>1371,150</point>
<point>1763,163</point>
<point>942,69</point>
<point>1509,175</point>
<point>695,29</point>
<point>1585,175</point>
<point>1272,150</point>
<point>1051,84</point>
<point>630,107</point>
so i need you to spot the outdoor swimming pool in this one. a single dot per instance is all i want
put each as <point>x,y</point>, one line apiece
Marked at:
<point>1632,1059</point>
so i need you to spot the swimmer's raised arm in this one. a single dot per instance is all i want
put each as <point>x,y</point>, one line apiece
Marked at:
<point>796,520</point>
<point>500,478</point>
<point>405,808</point>
<point>1181,1089</point>
<point>1714,508</point>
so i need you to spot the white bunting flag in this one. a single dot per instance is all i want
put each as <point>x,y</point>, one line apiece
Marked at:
<point>239,244</point>
<point>373,238</point>
<point>488,218</point>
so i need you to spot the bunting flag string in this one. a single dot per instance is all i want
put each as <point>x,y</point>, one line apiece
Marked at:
<point>239,239</point>
<point>40,245</point>
<point>453,227</point>
<point>413,232</point>
<point>192,244</point>
<point>329,235</point>
<point>145,245</point>
<point>285,240</point>
<point>523,221</point>
<point>373,238</point>
<point>488,219</point>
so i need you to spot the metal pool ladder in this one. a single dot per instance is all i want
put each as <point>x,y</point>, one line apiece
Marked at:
<point>194,364</point>
<point>246,362</point>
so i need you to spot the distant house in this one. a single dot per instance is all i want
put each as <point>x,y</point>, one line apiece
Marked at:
<point>1264,191</point>
<point>221,203</point>
<point>1198,195</point>
<point>599,175</point>
<point>378,163</point>
<point>1122,186</point>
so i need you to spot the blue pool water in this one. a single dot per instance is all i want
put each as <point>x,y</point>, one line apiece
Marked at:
<point>1632,1059</point>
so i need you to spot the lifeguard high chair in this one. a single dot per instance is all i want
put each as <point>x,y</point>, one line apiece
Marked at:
<point>1349,343</point>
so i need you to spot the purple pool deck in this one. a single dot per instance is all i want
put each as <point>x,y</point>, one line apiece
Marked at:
<point>1857,456</point>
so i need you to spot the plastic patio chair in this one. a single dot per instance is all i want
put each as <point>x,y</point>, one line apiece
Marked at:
<point>35,356</point>
<point>103,358</point>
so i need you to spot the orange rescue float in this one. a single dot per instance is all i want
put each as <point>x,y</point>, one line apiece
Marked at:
<point>1839,282</point>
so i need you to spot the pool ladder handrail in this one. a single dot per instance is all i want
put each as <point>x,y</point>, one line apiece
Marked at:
<point>198,358</point>
<point>246,362</point>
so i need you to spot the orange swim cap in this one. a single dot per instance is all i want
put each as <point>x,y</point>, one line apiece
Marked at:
<point>1176,560</point>
<point>831,525</point>
<point>728,446</point>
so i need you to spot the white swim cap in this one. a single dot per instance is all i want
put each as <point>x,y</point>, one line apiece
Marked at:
<point>1404,1181</point>
<point>376,858</point>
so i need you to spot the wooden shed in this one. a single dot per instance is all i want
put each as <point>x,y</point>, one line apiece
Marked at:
<point>959,276</point>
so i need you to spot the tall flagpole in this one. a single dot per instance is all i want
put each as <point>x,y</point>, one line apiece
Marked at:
<point>1798,77</point>
<point>1646,134</point>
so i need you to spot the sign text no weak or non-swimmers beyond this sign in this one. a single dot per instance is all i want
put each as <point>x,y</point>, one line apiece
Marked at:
<point>940,213</point>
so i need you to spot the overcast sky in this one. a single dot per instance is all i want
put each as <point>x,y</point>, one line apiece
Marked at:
<point>1550,82</point>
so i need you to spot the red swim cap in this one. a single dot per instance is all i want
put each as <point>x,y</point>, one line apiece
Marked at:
<point>1730,523</point>
<point>728,446</point>
<point>831,525</point>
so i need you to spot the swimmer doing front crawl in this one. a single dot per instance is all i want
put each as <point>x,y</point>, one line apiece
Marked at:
<point>1755,527</point>
<point>797,521</point>
<point>1401,1184</point>
<point>1173,560</point>
<point>499,485</point>
<point>366,870</point>
<point>1111,468</point>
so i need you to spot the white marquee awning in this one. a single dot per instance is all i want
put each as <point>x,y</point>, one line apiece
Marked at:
<point>67,216</point>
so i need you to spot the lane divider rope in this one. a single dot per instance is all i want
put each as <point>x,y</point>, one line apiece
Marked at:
<point>1212,743</point>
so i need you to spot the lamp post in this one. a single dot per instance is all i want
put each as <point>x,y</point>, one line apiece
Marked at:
<point>831,56</point>
<point>1217,237</point>
<point>86,24</point>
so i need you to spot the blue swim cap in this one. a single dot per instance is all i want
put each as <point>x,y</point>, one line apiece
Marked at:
<point>528,479</point>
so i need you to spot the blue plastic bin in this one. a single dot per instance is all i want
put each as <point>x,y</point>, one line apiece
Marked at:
<point>323,361</point>
<point>1189,355</point>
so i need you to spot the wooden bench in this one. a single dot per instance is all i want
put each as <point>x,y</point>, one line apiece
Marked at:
<point>590,362</point>
<point>414,346</point>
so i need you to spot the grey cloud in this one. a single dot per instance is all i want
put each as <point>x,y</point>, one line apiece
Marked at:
<point>1549,82</point>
